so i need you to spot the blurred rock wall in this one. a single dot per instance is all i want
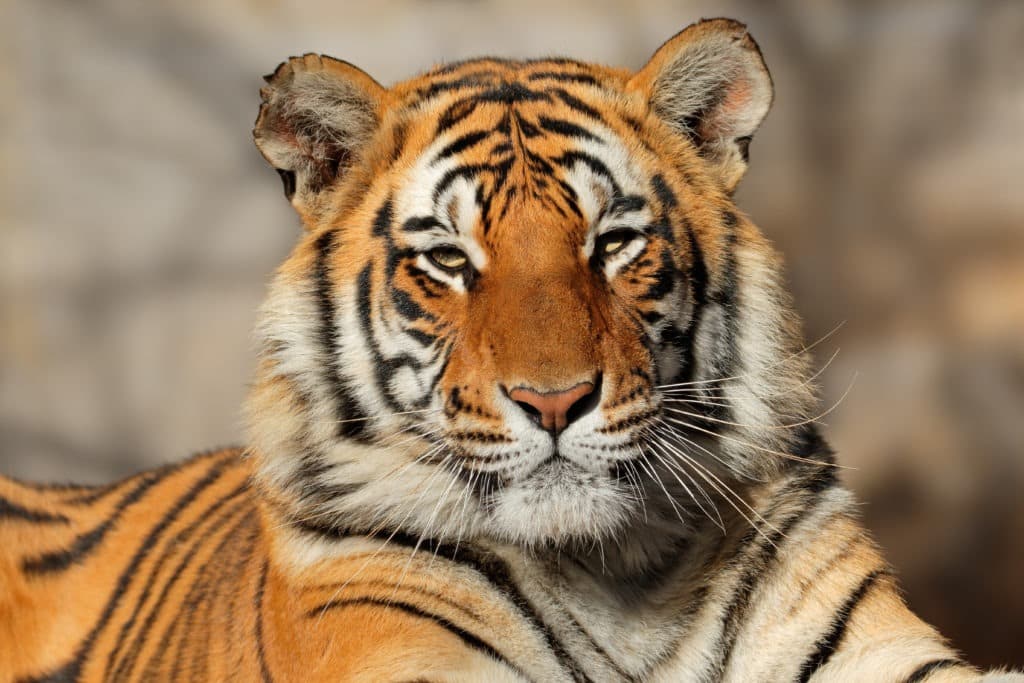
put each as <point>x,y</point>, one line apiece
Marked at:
<point>138,227</point>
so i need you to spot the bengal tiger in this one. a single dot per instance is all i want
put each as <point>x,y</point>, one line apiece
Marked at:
<point>532,404</point>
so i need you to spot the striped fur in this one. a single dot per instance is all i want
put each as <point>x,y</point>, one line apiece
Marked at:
<point>397,516</point>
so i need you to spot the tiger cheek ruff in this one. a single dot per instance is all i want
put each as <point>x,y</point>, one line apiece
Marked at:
<point>531,405</point>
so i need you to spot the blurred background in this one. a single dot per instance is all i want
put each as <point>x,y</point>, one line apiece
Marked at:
<point>138,227</point>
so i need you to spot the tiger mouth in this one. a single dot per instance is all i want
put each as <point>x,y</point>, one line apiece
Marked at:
<point>557,464</point>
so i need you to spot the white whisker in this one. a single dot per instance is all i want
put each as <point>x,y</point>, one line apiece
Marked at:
<point>787,456</point>
<point>788,358</point>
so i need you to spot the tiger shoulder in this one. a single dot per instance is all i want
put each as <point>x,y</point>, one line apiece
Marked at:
<point>532,404</point>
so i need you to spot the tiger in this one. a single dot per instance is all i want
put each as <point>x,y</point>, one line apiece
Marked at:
<point>531,404</point>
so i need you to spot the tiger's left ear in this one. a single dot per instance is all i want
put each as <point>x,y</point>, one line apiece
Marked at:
<point>710,83</point>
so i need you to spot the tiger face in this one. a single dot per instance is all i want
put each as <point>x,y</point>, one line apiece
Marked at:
<point>526,306</point>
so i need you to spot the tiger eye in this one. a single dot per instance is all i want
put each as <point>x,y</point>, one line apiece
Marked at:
<point>613,245</point>
<point>448,258</point>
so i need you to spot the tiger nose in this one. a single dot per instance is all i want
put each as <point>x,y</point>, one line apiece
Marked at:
<point>555,410</point>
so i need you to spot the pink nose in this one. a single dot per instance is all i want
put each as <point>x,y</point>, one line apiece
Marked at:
<point>553,409</point>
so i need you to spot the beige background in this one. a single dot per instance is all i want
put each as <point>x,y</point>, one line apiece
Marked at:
<point>138,226</point>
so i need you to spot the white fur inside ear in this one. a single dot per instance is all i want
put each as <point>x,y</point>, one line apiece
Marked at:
<point>714,88</point>
<point>329,112</point>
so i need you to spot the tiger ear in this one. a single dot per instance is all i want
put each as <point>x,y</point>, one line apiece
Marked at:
<point>316,114</point>
<point>710,83</point>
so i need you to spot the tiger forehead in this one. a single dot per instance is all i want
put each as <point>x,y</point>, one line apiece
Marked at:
<point>506,80</point>
<point>476,93</point>
<point>515,131</point>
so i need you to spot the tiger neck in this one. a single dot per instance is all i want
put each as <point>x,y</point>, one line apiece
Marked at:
<point>640,560</point>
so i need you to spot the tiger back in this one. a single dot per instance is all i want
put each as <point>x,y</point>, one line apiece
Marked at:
<point>531,404</point>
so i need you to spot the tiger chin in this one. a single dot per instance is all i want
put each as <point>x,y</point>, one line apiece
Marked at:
<point>531,405</point>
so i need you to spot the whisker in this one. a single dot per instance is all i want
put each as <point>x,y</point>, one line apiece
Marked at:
<point>384,522</point>
<point>423,534</point>
<point>632,477</point>
<point>671,500</point>
<point>697,398</point>
<point>726,491</point>
<point>809,420</point>
<point>668,463</point>
<point>465,519</point>
<point>332,513</point>
<point>788,358</point>
<point>787,456</point>
<point>417,434</point>
<point>710,392</point>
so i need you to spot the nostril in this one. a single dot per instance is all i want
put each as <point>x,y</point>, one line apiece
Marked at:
<point>530,410</point>
<point>584,404</point>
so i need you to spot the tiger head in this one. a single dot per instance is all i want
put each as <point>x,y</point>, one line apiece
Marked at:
<point>525,306</point>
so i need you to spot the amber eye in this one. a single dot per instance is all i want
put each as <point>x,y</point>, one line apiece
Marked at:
<point>448,258</point>
<point>614,241</point>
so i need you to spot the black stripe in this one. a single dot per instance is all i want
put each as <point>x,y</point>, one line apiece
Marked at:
<point>73,669</point>
<point>665,195</point>
<point>454,174</point>
<point>195,611</point>
<point>597,166</point>
<point>211,577</point>
<point>577,105</point>
<point>498,574</point>
<point>424,338</point>
<point>510,93</point>
<point>467,637</point>
<point>723,357</point>
<point>153,669</point>
<point>382,220</point>
<point>461,144</point>
<point>261,650</point>
<point>472,81</point>
<point>564,77</point>
<point>828,644</point>
<point>566,128</point>
<point>698,284</point>
<point>441,595</point>
<point>626,204</point>
<point>925,670</point>
<point>11,510</point>
<point>456,112</point>
<point>385,368</point>
<point>352,419</point>
<point>93,494</point>
<point>126,664</point>
<point>663,279</point>
<point>755,554</point>
<point>668,201</point>
<point>624,675</point>
<point>491,567</point>
<point>87,495</point>
<point>85,543</point>
<point>422,224</point>
<point>407,307</point>
<point>808,443</point>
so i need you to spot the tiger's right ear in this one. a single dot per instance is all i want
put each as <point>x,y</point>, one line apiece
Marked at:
<point>316,114</point>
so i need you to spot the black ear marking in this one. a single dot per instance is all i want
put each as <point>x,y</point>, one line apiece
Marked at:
<point>743,143</point>
<point>288,180</point>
